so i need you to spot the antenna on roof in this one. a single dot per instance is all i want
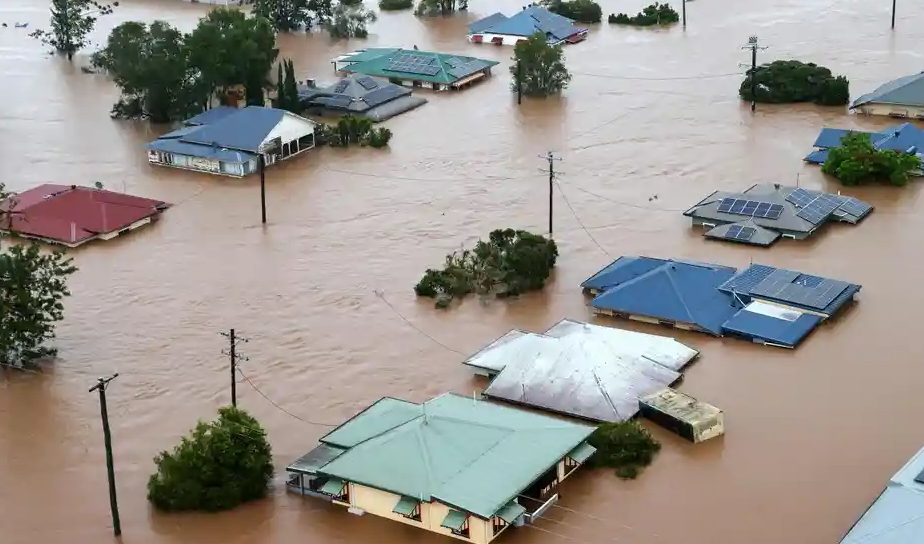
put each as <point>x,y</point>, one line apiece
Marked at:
<point>73,232</point>
<point>797,179</point>
<point>98,185</point>
<point>424,405</point>
<point>474,398</point>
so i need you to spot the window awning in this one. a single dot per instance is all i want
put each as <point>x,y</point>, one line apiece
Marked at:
<point>454,520</point>
<point>468,79</point>
<point>582,453</point>
<point>406,506</point>
<point>333,487</point>
<point>511,512</point>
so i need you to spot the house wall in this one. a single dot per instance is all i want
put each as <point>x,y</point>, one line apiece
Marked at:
<point>381,503</point>
<point>198,164</point>
<point>486,39</point>
<point>290,128</point>
<point>892,110</point>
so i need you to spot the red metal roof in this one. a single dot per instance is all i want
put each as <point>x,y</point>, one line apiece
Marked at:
<point>71,215</point>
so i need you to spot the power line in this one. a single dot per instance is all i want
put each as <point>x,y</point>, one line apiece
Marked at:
<point>752,45</point>
<point>627,204</point>
<point>405,178</point>
<point>381,295</point>
<point>574,213</point>
<point>280,408</point>
<point>551,158</point>
<point>234,355</point>
<point>682,78</point>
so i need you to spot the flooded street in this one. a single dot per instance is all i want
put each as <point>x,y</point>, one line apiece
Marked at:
<point>812,435</point>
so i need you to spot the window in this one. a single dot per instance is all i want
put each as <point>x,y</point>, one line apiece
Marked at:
<point>456,522</point>
<point>462,531</point>
<point>408,507</point>
<point>498,525</point>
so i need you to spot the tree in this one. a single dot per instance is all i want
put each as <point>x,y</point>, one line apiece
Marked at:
<point>583,11</point>
<point>655,14</point>
<point>33,283</point>
<point>510,263</point>
<point>284,15</point>
<point>219,466</point>
<point>857,161</point>
<point>790,81</point>
<point>350,21</point>
<point>71,23</point>
<point>352,130</point>
<point>150,65</point>
<point>538,68</point>
<point>395,5</point>
<point>428,8</point>
<point>287,87</point>
<point>625,446</point>
<point>323,10</point>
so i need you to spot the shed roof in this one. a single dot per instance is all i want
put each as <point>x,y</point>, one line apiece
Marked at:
<point>583,370</point>
<point>897,515</point>
<point>472,455</point>
<point>681,406</point>
<point>770,324</point>
<point>418,65</point>
<point>737,232</point>
<point>527,22</point>
<point>904,91</point>
<point>678,291</point>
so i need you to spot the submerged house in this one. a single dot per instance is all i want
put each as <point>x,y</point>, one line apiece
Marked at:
<point>763,214</point>
<point>902,97</point>
<point>413,68</point>
<point>906,138</point>
<point>499,29</point>
<point>373,98</point>
<point>897,515</point>
<point>71,215</point>
<point>453,465</point>
<point>763,304</point>
<point>229,141</point>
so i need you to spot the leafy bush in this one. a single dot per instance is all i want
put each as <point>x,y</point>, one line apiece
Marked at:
<point>789,81</point>
<point>511,262</point>
<point>351,130</point>
<point>219,466</point>
<point>625,446</point>
<point>395,5</point>
<point>582,11</point>
<point>857,162</point>
<point>655,14</point>
<point>378,137</point>
<point>538,68</point>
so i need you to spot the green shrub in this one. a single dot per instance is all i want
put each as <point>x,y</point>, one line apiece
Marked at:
<point>510,263</point>
<point>378,137</point>
<point>857,162</point>
<point>351,130</point>
<point>582,11</point>
<point>395,5</point>
<point>790,81</point>
<point>624,446</point>
<point>219,466</point>
<point>655,14</point>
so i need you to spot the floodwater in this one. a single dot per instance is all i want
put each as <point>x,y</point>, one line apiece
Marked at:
<point>812,435</point>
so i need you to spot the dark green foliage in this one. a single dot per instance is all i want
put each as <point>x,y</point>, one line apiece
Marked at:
<point>428,8</point>
<point>219,466</point>
<point>33,283</point>
<point>284,15</point>
<point>510,263</point>
<point>287,87</point>
<point>351,130</point>
<point>323,10</point>
<point>350,21</point>
<point>582,11</point>
<point>625,446</point>
<point>71,23</point>
<point>538,67</point>
<point>655,14</point>
<point>858,162</point>
<point>395,5</point>
<point>789,81</point>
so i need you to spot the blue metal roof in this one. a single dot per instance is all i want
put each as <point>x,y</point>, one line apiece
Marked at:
<point>200,151</point>
<point>244,130</point>
<point>483,24</point>
<point>817,157</point>
<point>831,137</point>
<point>897,515</point>
<point>620,271</point>
<point>746,281</point>
<point>526,23</point>
<point>675,291</point>
<point>769,329</point>
<point>904,91</point>
<point>905,137</point>
<point>211,116</point>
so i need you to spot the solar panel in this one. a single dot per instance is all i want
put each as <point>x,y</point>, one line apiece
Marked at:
<point>800,197</point>
<point>733,231</point>
<point>341,86</point>
<point>336,101</point>
<point>454,62</point>
<point>383,94</point>
<point>820,208</point>
<point>920,478</point>
<point>367,83</point>
<point>855,207</point>
<point>745,233</point>
<point>753,208</point>
<point>783,285</point>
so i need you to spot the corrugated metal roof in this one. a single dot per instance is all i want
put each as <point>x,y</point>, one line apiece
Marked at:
<point>769,324</point>
<point>315,459</point>
<point>904,91</point>
<point>906,138</point>
<point>681,406</point>
<point>483,24</point>
<point>583,370</point>
<point>761,237</point>
<point>620,271</point>
<point>897,516</point>
<point>469,454</point>
<point>495,355</point>
<point>244,130</point>
<point>180,147</point>
<point>451,67</point>
<point>745,283</point>
<point>211,116</point>
<point>527,22</point>
<point>707,209</point>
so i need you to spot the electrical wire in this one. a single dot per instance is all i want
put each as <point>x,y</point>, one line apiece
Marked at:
<point>441,180</point>
<point>381,295</point>
<point>627,204</point>
<point>681,78</point>
<point>280,408</point>
<point>584,227</point>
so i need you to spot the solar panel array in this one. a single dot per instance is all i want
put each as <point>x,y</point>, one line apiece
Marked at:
<point>800,197</point>
<point>855,207</point>
<point>336,101</point>
<point>367,83</point>
<point>342,85</point>
<point>782,285</point>
<point>384,94</point>
<point>410,63</point>
<point>737,232</point>
<point>920,478</point>
<point>753,208</point>
<point>454,62</point>
<point>819,209</point>
<point>846,204</point>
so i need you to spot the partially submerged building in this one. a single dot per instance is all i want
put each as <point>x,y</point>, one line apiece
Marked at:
<point>902,97</point>
<point>897,515</point>
<point>763,214</point>
<point>498,29</point>
<point>905,138</point>
<point>71,215</point>
<point>373,98</point>
<point>766,305</point>
<point>581,370</point>
<point>413,68</point>
<point>229,141</point>
<point>453,465</point>
<point>678,412</point>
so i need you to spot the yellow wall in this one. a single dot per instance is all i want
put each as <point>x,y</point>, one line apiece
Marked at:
<point>887,109</point>
<point>381,503</point>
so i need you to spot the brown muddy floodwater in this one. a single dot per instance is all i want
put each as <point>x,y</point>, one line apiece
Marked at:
<point>812,436</point>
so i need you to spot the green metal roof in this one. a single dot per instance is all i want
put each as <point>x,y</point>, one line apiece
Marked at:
<point>451,67</point>
<point>511,512</point>
<point>473,455</point>
<point>405,506</point>
<point>315,459</point>
<point>454,520</point>
<point>370,53</point>
<point>334,487</point>
<point>582,452</point>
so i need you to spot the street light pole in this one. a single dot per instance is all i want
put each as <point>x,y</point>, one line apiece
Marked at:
<point>107,440</point>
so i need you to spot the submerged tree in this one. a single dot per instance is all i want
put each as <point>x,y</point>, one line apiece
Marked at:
<point>350,21</point>
<point>789,81</point>
<point>323,10</point>
<point>583,11</point>
<point>33,282</point>
<point>625,446</point>
<point>71,23</point>
<point>287,87</point>
<point>219,466</point>
<point>284,15</point>
<point>857,161</point>
<point>427,8</point>
<point>654,15</point>
<point>538,68</point>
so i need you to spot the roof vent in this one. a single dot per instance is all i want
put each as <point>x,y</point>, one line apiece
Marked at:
<point>777,186</point>
<point>73,187</point>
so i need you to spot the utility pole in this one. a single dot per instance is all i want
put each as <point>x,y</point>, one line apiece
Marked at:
<point>684,11</point>
<point>262,161</point>
<point>550,156</point>
<point>233,354</point>
<point>520,80</point>
<point>107,440</point>
<point>753,46</point>
<point>893,14</point>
